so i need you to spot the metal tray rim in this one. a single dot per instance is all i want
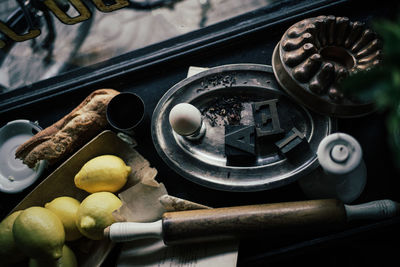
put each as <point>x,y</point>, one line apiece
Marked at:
<point>199,177</point>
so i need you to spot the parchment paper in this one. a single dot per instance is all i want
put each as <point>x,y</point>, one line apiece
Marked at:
<point>146,202</point>
<point>140,202</point>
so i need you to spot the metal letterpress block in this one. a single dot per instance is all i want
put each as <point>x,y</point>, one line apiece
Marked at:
<point>292,144</point>
<point>240,146</point>
<point>266,119</point>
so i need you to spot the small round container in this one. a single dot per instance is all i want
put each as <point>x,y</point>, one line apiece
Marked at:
<point>14,175</point>
<point>126,112</point>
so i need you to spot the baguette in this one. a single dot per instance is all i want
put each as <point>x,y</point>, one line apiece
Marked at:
<point>69,133</point>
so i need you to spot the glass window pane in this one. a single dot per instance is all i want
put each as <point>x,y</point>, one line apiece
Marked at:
<point>61,47</point>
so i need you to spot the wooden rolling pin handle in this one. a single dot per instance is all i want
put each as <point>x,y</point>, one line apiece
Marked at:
<point>128,231</point>
<point>379,209</point>
<point>254,220</point>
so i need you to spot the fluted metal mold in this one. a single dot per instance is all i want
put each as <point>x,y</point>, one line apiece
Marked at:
<point>315,54</point>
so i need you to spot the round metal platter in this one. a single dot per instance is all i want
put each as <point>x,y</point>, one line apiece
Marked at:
<point>204,161</point>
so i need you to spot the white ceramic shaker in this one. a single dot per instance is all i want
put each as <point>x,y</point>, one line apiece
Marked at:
<point>342,173</point>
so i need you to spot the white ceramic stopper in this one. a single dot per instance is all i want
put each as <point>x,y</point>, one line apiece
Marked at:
<point>340,153</point>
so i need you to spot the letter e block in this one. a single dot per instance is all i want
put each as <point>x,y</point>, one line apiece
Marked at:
<point>266,118</point>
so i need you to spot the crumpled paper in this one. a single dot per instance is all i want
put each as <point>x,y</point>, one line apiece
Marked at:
<point>146,200</point>
<point>140,203</point>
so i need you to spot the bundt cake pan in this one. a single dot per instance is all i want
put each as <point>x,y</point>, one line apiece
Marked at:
<point>315,54</point>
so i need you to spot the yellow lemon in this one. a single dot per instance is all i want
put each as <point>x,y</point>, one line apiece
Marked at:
<point>103,173</point>
<point>39,233</point>
<point>9,252</point>
<point>95,214</point>
<point>68,259</point>
<point>66,209</point>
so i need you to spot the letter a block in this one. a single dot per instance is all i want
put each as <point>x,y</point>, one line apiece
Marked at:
<point>240,144</point>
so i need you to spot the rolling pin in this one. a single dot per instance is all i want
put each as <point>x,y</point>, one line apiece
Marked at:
<point>253,220</point>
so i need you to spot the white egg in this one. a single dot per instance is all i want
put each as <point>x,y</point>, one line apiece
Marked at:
<point>185,119</point>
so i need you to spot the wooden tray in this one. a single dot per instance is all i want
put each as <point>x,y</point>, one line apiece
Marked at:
<point>89,253</point>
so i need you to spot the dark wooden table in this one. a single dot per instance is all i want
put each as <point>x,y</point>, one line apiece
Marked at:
<point>250,38</point>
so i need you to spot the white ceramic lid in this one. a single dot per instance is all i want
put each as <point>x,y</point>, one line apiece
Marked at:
<point>14,175</point>
<point>339,153</point>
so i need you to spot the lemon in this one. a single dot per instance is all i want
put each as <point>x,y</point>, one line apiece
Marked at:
<point>95,214</point>
<point>68,259</point>
<point>66,209</point>
<point>103,173</point>
<point>8,249</point>
<point>39,233</point>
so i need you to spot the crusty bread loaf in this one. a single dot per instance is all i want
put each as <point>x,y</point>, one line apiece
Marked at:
<point>69,133</point>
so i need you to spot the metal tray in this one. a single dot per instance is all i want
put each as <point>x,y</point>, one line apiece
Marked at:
<point>205,162</point>
<point>60,182</point>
